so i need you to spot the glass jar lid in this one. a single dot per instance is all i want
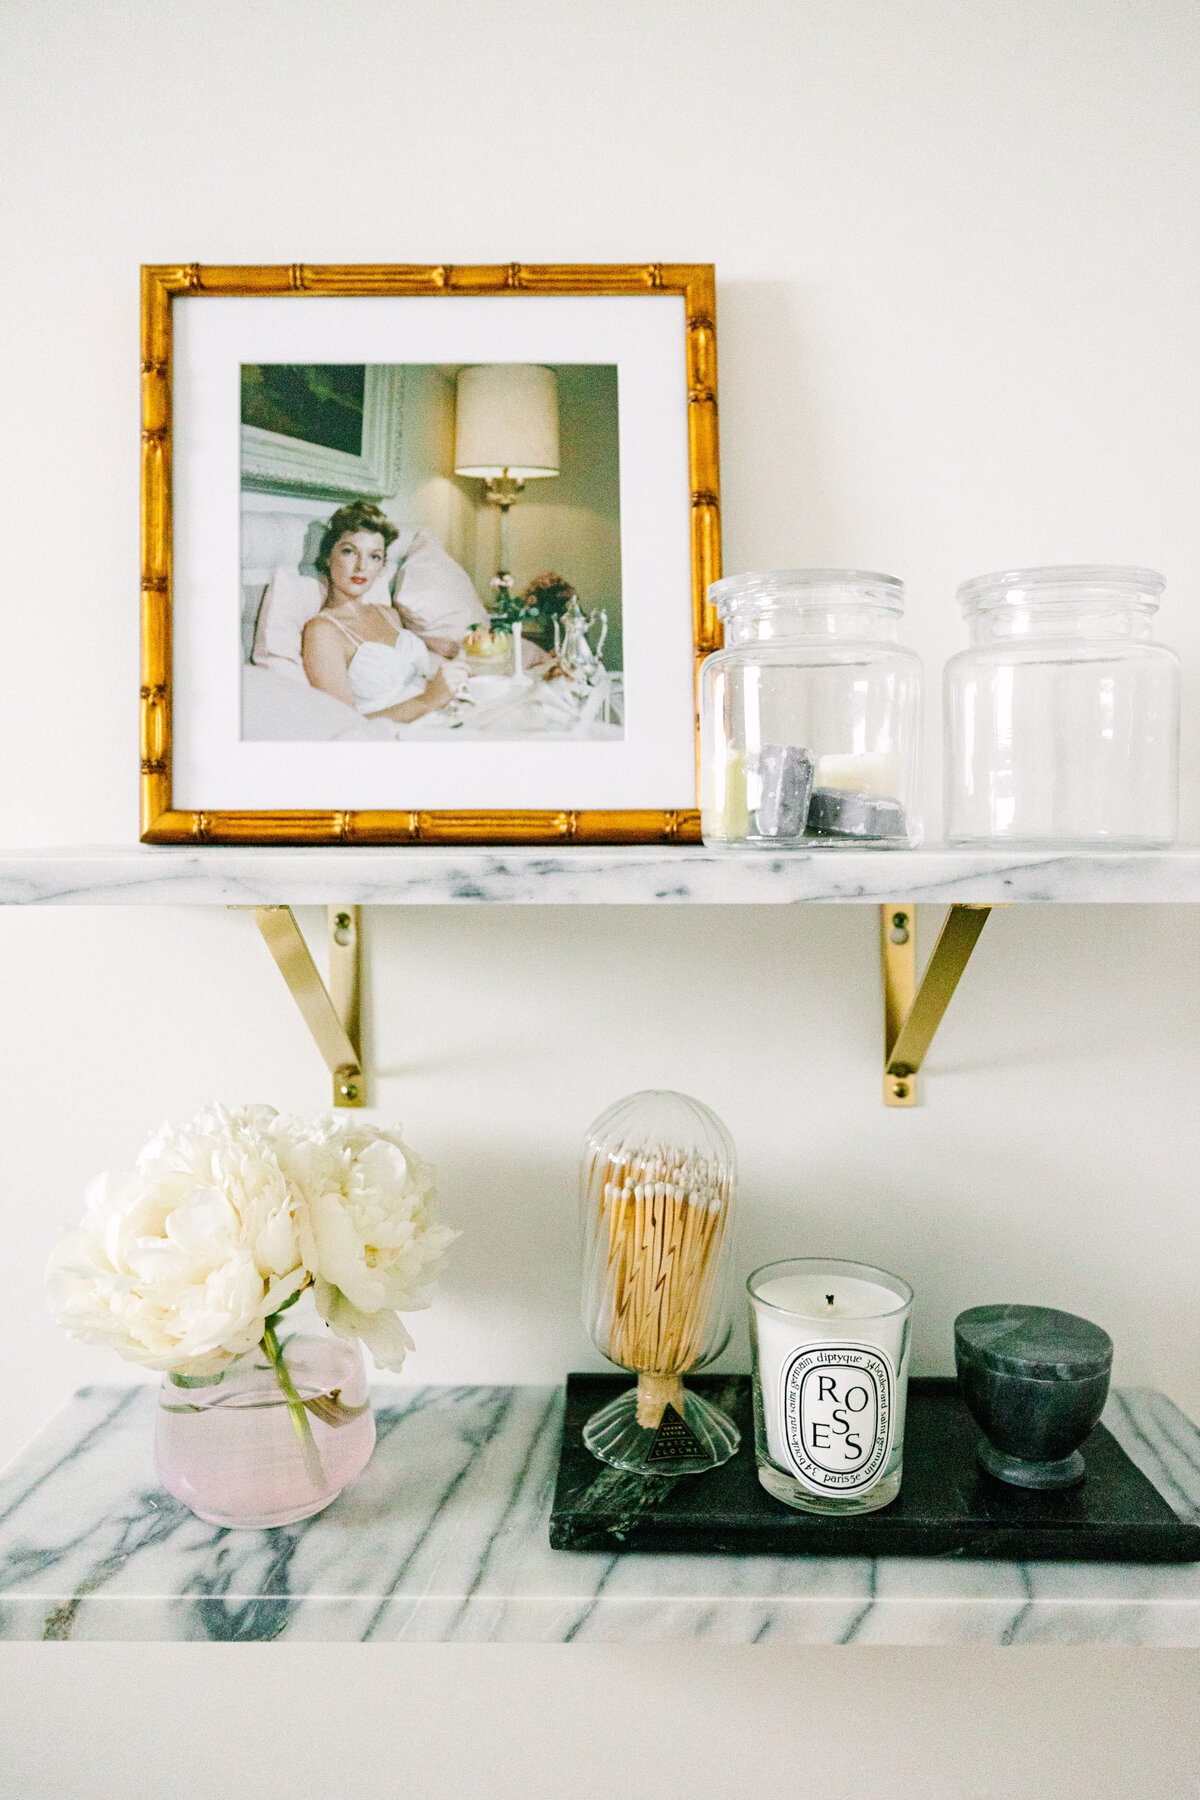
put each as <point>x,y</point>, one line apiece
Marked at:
<point>762,590</point>
<point>1065,585</point>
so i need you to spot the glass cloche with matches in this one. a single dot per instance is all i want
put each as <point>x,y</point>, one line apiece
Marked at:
<point>658,1177</point>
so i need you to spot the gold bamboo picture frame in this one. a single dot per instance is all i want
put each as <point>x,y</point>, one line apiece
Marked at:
<point>163,820</point>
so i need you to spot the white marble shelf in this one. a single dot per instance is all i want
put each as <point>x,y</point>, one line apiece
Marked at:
<point>586,876</point>
<point>444,1539</point>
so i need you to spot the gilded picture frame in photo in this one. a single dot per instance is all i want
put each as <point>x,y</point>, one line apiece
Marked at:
<point>426,552</point>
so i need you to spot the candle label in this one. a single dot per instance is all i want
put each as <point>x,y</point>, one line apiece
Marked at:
<point>838,1413</point>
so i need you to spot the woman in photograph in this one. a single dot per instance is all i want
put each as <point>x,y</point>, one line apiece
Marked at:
<point>357,648</point>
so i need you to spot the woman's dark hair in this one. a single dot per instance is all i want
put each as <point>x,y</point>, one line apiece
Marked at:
<point>359,515</point>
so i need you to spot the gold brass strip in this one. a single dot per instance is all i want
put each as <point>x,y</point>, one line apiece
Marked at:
<point>906,1052</point>
<point>286,943</point>
<point>345,981</point>
<point>164,825</point>
<point>898,945</point>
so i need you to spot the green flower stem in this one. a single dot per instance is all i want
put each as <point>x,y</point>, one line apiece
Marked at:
<point>295,1405</point>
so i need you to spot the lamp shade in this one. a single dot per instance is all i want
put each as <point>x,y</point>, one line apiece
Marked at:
<point>507,421</point>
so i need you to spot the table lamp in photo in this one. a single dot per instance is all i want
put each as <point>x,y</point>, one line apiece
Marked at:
<point>506,433</point>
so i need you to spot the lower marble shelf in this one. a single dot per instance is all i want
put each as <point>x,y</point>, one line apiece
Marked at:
<point>444,1539</point>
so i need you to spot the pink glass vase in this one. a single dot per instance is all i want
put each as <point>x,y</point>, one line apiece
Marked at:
<point>234,1450</point>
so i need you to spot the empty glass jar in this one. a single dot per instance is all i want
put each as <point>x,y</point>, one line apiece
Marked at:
<point>810,716</point>
<point>1062,718</point>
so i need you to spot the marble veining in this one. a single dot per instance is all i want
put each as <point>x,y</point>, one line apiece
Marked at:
<point>585,875</point>
<point>444,1539</point>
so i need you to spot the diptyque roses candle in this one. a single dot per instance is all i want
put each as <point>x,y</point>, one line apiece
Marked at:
<point>830,1343</point>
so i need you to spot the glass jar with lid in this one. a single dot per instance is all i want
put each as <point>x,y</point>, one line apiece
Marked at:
<point>810,717</point>
<point>1062,717</point>
<point>657,1183</point>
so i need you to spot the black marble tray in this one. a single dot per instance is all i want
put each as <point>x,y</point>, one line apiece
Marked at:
<point>947,1505</point>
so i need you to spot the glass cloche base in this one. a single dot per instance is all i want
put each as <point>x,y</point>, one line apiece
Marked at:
<point>684,1442</point>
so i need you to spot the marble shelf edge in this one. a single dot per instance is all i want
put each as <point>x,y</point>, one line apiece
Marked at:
<point>444,1539</point>
<point>586,876</point>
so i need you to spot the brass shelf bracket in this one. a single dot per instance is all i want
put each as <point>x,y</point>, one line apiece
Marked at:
<point>911,1015</point>
<point>331,1013</point>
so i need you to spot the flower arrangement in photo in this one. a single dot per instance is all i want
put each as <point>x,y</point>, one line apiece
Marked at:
<point>547,597</point>
<point>187,1262</point>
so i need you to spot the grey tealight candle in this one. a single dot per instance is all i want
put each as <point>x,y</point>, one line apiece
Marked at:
<point>843,813</point>
<point>1035,1381</point>
<point>785,782</point>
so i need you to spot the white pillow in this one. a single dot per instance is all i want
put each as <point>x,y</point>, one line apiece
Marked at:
<point>290,601</point>
<point>435,596</point>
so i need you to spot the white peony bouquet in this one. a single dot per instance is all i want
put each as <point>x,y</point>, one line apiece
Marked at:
<point>187,1261</point>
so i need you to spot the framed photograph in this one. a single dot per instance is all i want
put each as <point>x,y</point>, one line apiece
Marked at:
<point>426,552</point>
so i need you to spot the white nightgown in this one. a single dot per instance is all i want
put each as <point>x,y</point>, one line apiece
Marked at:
<point>382,675</point>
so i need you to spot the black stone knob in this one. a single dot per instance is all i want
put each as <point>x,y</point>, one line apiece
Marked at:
<point>1035,1381</point>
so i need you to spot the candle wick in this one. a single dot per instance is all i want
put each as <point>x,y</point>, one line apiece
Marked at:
<point>829,1297</point>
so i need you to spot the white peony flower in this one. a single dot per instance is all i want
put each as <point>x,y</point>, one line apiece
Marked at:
<point>179,1264</point>
<point>236,1152</point>
<point>164,1272</point>
<point>366,1230</point>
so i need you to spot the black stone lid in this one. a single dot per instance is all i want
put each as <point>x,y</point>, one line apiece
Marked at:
<point>1034,1341</point>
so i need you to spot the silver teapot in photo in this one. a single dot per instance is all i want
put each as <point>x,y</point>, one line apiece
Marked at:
<point>571,643</point>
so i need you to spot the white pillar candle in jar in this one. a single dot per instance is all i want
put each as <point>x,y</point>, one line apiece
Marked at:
<point>830,1381</point>
<point>880,774</point>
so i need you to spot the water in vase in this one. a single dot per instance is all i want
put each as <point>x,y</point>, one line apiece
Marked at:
<point>232,1452</point>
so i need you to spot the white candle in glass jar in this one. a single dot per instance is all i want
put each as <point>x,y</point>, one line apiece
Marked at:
<point>879,775</point>
<point>831,1360</point>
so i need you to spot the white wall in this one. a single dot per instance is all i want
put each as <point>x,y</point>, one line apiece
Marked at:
<point>957,251</point>
<point>428,494</point>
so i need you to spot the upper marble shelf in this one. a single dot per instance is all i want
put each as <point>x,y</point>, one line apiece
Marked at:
<point>585,876</point>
